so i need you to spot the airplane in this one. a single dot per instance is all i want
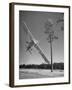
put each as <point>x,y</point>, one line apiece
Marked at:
<point>35,43</point>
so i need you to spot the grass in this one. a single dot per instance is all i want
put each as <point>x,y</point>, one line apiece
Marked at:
<point>39,73</point>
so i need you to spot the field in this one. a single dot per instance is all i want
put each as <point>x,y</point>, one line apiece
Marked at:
<point>39,73</point>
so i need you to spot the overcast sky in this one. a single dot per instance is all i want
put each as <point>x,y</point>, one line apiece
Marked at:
<point>35,22</point>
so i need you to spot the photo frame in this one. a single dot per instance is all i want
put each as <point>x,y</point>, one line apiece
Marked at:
<point>39,44</point>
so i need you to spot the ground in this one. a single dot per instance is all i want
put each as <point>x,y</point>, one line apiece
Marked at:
<point>39,73</point>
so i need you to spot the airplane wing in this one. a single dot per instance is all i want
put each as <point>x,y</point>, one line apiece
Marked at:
<point>26,29</point>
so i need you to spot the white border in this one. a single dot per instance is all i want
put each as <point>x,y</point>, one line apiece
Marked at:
<point>16,45</point>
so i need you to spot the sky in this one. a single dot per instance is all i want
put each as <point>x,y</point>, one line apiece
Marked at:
<point>36,23</point>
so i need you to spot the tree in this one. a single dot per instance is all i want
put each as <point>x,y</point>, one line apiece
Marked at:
<point>50,37</point>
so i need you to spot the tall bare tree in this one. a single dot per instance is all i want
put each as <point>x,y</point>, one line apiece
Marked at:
<point>50,37</point>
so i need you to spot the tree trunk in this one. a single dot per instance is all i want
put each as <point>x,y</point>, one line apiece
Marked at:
<point>51,55</point>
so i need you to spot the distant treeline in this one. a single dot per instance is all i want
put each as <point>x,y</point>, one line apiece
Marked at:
<point>42,66</point>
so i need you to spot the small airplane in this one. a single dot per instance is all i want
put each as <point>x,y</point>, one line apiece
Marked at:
<point>35,43</point>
